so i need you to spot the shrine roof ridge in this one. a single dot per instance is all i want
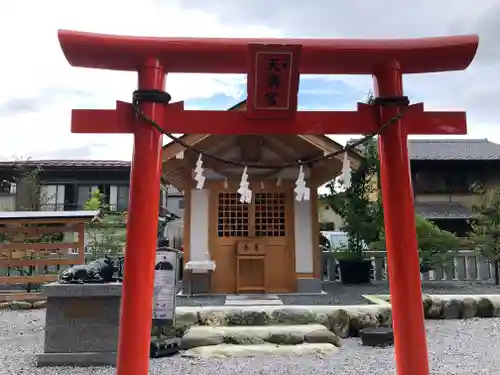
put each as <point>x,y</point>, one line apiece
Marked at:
<point>222,55</point>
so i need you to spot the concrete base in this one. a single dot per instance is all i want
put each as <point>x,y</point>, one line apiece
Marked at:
<point>81,324</point>
<point>76,359</point>
<point>309,286</point>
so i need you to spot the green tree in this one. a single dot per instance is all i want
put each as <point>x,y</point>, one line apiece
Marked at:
<point>106,232</point>
<point>364,219</point>
<point>436,247</point>
<point>485,234</point>
<point>362,216</point>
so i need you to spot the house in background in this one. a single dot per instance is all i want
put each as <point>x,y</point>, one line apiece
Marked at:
<point>328,218</point>
<point>443,173</point>
<point>65,185</point>
<point>174,202</point>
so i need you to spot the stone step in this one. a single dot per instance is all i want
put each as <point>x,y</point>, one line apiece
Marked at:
<point>253,300</point>
<point>187,316</point>
<point>257,335</point>
<point>241,351</point>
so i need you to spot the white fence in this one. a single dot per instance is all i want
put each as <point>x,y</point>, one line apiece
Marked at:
<point>467,265</point>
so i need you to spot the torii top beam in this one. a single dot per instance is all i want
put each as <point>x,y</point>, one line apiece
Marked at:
<point>219,55</point>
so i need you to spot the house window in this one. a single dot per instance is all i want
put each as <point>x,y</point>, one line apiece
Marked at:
<point>181,204</point>
<point>122,198</point>
<point>52,197</point>
<point>328,226</point>
<point>84,194</point>
<point>5,187</point>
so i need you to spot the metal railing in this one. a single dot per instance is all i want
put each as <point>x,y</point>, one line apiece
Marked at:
<point>77,207</point>
<point>466,265</point>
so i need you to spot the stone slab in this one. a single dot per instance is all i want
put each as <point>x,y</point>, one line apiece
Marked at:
<point>241,351</point>
<point>495,298</point>
<point>258,331</point>
<point>254,302</point>
<point>309,285</point>
<point>246,297</point>
<point>315,309</point>
<point>378,300</point>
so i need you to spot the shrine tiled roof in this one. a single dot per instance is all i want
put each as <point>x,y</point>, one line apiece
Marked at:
<point>445,210</point>
<point>453,149</point>
<point>91,164</point>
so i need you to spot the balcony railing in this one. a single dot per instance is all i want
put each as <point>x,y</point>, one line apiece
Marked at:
<point>466,265</point>
<point>10,206</point>
<point>78,207</point>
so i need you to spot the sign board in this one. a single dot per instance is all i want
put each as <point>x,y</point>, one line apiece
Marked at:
<point>273,81</point>
<point>165,285</point>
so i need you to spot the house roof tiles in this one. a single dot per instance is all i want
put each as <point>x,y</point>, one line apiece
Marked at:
<point>453,149</point>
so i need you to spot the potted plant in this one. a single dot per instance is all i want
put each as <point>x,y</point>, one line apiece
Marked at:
<point>354,267</point>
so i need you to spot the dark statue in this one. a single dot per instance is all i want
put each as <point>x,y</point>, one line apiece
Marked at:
<point>102,270</point>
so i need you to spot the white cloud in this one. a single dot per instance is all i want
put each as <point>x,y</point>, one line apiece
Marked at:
<point>38,88</point>
<point>475,90</point>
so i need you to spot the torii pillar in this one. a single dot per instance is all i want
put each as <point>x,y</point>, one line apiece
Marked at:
<point>272,109</point>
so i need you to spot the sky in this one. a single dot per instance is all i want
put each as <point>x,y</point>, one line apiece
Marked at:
<point>38,88</point>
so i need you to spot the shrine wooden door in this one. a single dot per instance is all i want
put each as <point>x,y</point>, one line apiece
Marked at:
<point>268,221</point>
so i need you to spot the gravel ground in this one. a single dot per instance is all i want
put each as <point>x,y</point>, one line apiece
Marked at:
<point>457,347</point>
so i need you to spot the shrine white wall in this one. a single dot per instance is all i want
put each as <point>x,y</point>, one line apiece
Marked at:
<point>198,240</point>
<point>303,237</point>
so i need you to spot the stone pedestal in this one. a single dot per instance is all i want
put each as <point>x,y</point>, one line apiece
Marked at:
<point>198,277</point>
<point>82,322</point>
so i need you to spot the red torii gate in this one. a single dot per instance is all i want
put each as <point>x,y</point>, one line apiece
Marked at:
<point>270,112</point>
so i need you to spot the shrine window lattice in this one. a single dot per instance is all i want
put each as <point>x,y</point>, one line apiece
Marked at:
<point>264,217</point>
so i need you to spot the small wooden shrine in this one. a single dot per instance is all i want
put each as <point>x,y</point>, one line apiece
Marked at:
<point>271,244</point>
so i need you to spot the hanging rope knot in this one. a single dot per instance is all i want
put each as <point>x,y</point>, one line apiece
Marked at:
<point>392,101</point>
<point>151,96</point>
